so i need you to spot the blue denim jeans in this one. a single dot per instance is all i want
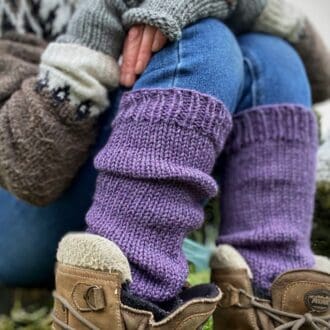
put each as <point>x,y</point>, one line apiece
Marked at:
<point>244,71</point>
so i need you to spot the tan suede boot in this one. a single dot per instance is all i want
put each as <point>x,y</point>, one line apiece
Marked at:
<point>91,277</point>
<point>300,299</point>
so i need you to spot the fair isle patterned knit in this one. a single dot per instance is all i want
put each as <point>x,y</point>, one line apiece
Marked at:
<point>44,18</point>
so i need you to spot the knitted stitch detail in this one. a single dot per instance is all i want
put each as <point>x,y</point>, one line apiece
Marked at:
<point>79,75</point>
<point>268,190</point>
<point>97,25</point>
<point>172,16</point>
<point>183,107</point>
<point>154,176</point>
<point>284,122</point>
<point>44,18</point>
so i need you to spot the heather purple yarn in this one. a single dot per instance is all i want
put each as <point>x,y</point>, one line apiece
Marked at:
<point>267,189</point>
<point>154,174</point>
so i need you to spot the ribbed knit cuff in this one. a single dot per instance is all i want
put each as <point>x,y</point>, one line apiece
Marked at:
<point>182,107</point>
<point>201,124</point>
<point>171,16</point>
<point>282,19</point>
<point>285,122</point>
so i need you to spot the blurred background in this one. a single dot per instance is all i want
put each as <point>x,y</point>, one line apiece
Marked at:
<point>318,11</point>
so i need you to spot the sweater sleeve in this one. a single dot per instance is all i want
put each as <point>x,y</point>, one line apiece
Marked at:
<point>171,16</point>
<point>51,98</point>
<point>81,66</point>
<point>43,141</point>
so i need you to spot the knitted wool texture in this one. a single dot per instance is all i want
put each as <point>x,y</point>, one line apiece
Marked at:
<point>44,18</point>
<point>280,18</point>
<point>79,75</point>
<point>19,58</point>
<point>82,64</point>
<point>96,24</point>
<point>42,142</point>
<point>154,175</point>
<point>172,16</point>
<point>267,190</point>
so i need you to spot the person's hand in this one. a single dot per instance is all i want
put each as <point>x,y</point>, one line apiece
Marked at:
<point>140,43</point>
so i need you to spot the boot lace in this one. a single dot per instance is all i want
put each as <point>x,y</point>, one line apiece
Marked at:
<point>296,321</point>
<point>65,304</point>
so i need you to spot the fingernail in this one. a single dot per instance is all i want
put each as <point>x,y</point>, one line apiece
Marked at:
<point>139,67</point>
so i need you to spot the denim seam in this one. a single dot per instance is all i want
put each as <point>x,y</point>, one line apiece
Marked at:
<point>254,87</point>
<point>177,68</point>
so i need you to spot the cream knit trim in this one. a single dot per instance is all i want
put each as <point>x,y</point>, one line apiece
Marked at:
<point>282,19</point>
<point>93,252</point>
<point>226,256</point>
<point>84,74</point>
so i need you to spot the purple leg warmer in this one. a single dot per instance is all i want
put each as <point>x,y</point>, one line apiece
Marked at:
<point>154,175</point>
<point>267,190</point>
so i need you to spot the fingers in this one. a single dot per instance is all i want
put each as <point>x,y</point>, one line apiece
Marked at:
<point>159,41</point>
<point>139,45</point>
<point>130,55</point>
<point>145,51</point>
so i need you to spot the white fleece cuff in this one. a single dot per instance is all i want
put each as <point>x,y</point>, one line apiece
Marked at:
<point>226,256</point>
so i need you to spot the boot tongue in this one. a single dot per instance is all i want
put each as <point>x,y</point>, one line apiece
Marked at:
<point>301,292</point>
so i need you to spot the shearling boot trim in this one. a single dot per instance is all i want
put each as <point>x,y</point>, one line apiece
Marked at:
<point>322,264</point>
<point>225,256</point>
<point>93,252</point>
